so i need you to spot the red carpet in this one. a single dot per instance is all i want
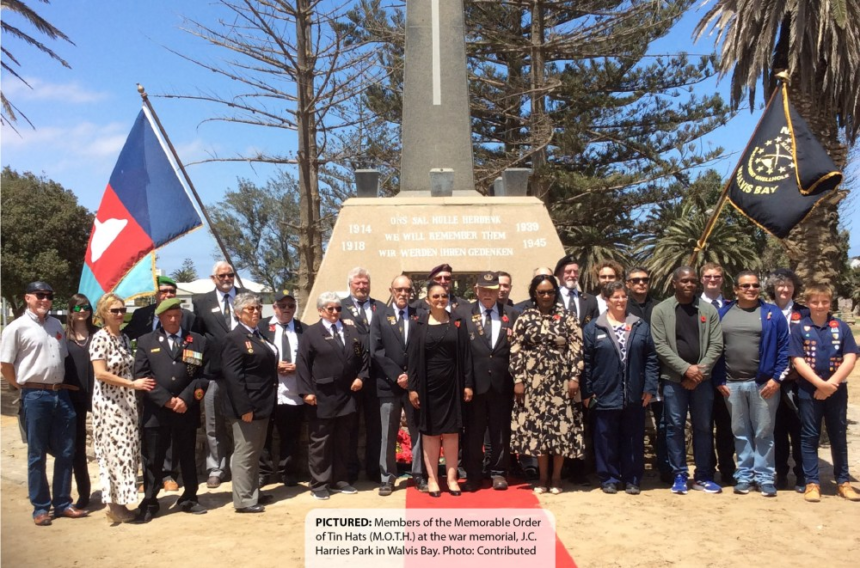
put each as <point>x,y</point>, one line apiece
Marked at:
<point>518,496</point>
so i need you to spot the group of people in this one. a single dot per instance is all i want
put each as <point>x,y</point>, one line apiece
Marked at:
<point>562,376</point>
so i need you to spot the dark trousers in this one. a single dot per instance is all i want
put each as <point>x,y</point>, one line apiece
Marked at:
<point>287,419</point>
<point>79,462</point>
<point>834,410</point>
<point>368,407</point>
<point>662,454</point>
<point>724,440</point>
<point>156,440</point>
<point>328,447</point>
<point>786,435</point>
<point>488,413</point>
<point>619,444</point>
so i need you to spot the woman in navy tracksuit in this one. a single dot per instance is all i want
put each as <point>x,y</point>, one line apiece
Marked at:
<point>620,374</point>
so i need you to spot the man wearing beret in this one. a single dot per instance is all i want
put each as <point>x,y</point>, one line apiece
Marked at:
<point>32,359</point>
<point>444,276</point>
<point>176,359</point>
<point>143,321</point>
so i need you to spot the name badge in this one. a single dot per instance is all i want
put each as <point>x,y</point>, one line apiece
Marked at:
<point>601,336</point>
<point>156,350</point>
<point>216,309</point>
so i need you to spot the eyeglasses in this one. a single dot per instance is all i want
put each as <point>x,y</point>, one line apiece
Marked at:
<point>442,278</point>
<point>254,309</point>
<point>402,290</point>
<point>117,311</point>
<point>713,277</point>
<point>285,306</point>
<point>755,286</point>
<point>331,309</point>
<point>439,296</point>
<point>225,276</point>
<point>44,295</point>
<point>545,292</point>
<point>644,280</point>
<point>84,308</point>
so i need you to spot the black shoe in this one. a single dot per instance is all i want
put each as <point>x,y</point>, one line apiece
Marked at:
<point>470,486</point>
<point>434,493</point>
<point>251,509</point>
<point>386,489</point>
<point>82,503</point>
<point>265,499</point>
<point>609,488</point>
<point>531,474</point>
<point>500,483</point>
<point>143,516</point>
<point>421,485</point>
<point>193,507</point>
<point>290,480</point>
<point>782,481</point>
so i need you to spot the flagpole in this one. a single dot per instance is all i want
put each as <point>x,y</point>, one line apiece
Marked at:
<point>215,234</point>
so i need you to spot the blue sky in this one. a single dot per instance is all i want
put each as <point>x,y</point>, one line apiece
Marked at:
<point>83,115</point>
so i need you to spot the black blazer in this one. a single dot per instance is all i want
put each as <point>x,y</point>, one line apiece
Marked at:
<point>327,371</point>
<point>173,378</point>
<point>357,315</point>
<point>210,321</point>
<point>388,351</point>
<point>250,372</point>
<point>490,364</point>
<point>587,307</point>
<point>142,318</point>
<point>417,366</point>
<point>268,331</point>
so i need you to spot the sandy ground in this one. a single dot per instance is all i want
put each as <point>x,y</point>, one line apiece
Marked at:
<point>653,529</point>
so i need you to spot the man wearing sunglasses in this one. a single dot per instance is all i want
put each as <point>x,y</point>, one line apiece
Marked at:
<point>214,312</point>
<point>640,302</point>
<point>32,358</point>
<point>748,376</point>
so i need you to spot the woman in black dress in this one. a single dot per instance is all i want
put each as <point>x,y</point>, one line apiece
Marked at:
<point>440,380</point>
<point>79,372</point>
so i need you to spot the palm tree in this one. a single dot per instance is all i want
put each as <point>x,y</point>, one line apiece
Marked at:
<point>818,42</point>
<point>8,114</point>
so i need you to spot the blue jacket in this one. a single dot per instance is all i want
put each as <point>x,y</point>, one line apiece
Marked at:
<point>772,351</point>
<point>618,386</point>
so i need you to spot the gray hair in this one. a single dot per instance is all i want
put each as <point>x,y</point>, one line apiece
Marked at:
<point>357,271</point>
<point>244,300</point>
<point>219,264</point>
<point>327,298</point>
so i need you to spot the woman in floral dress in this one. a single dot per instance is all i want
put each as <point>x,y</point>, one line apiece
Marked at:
<point>116,434</point>
<point>546,363</point>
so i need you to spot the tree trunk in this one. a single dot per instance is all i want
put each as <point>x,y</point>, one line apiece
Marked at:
<point>813,245</point>
<point>537,119</point>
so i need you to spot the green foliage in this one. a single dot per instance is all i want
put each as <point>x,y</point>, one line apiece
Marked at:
<point>44,235</point>
<point>186,273</point>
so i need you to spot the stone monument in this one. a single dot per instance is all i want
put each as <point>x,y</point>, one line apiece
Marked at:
<point>432,220</point>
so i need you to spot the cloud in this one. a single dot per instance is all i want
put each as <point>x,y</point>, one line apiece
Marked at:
<point>44,91</point>
<point>82,140</point>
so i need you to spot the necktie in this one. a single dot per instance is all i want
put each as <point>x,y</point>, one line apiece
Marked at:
<point>361,311</point>
<point>401,325</point>
<point>488,325</point>
<point>571,294</point>
<point>174,345</point>
<point>286,350</point>
<point>715,303</point>
<point>336,337</point>
<point>227,309</point>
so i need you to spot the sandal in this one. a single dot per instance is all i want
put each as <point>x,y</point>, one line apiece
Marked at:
<point>540,490</point>
<point>556,489</point>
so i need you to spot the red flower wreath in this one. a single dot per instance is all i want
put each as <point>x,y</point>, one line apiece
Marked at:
<point>403,447</point>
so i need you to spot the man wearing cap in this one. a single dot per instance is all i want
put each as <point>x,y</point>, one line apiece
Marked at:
<point>389,337</point>
<point>177,359</point>
<point>490,324</point>
<point>444,276</point>
<point>361,309</point>
<point>32,358</point>
<point>214,312</point>
<point>143,321</point>
<point>285,332</point>
<point>582,304</point>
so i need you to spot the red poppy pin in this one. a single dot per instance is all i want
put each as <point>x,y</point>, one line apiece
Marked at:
<point>833,323</point>
<point>704,319</point>
<point>198,394</point>
<point>627,327</point>
<point>795,316</point>
<point>505,319</point>
<point>189,339</point>
<point>59,335</point>
<point>272,327</point>
<point>457,323</point>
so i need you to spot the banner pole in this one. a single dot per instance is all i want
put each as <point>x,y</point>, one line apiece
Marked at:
<point>215,234</point>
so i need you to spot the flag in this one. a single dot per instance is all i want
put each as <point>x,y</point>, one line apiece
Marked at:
<point>784,171</point>
<point>145,206</point>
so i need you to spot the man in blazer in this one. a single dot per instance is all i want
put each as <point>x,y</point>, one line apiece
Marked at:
<point>444,276</point>
<point>175,358</point>
<point>490,324</point>
<point>361,309</point>
<point>144,321</point>
<point>333,364</point>
<point>582,304</point>
<point>214,313</point>
<point>389,336</point>
<point>285,332</point>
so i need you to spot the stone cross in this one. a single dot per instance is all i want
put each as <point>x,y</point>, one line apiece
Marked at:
<point>436,132</point>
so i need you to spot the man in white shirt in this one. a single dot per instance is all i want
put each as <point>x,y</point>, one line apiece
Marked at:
<point>712,284</point>
<point>605,272</point>
<point>285,332</point>
<point>574,300</point>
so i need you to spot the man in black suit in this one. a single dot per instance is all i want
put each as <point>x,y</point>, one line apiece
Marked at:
<point>490,324</point>
<point>285,332</point>
<point>360,308</point>
<point>175,358</point>
<point>143,321</point>
<point>214,312</point>
<point>583,305</point>
<point>333,364</point>
<point>505,284</point>
<point>389,336</point>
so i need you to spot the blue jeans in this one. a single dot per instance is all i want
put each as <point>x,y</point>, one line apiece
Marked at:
<point>699,402</point>
<point>753,419</point>
<point>50,421</point>
<point>834,410</point>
